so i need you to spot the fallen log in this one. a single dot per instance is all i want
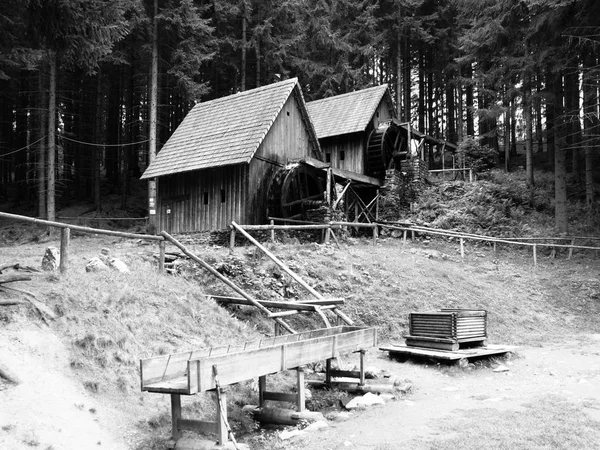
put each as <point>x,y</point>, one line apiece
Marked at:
<point>281,416</point>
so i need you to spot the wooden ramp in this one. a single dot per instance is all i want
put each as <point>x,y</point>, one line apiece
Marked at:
<point>446,355</point>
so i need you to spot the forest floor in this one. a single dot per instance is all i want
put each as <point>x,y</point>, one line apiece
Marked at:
<point>77,378</point>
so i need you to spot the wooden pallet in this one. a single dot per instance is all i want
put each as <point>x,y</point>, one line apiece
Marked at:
<point>399,350</point>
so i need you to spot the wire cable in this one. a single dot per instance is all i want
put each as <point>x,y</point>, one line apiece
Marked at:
<point>92,144</point>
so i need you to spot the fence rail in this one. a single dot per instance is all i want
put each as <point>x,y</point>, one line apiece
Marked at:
<point>66,233</point>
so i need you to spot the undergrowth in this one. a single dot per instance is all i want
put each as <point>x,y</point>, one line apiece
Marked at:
<point>500,204</point>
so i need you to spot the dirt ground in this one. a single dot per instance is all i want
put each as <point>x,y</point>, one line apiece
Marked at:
<point>568,371</point>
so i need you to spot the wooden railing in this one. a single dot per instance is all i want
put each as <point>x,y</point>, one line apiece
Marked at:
<point>65,236</point>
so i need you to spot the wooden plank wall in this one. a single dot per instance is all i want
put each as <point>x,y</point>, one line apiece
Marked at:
<point>184,195</point>
<point>353,147</point>
<point>286,140</point>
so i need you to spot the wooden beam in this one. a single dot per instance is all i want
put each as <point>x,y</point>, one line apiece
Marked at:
<point>80,228</point>
<point>277,261</point>
<point>225,280</point>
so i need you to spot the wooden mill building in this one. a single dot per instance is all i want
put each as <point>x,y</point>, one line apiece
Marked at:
<point>217,165</point>
<point>344,123</point>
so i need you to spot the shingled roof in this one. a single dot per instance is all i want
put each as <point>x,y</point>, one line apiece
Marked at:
<point>346,113</point>
<point>225,131</point>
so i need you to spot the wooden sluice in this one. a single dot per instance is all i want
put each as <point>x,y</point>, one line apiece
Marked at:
<point>213,369</point>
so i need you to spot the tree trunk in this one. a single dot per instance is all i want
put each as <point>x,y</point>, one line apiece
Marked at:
<point>572,115</point>
<point>97,150</point>
<point>550,124</point>
<point>450,108</point>
<point>560,169</point>
<point>421,104</point>
<point>591,124</point>
<point>399,87</point>
<point>244,45</point>
<point>528,130</point>
<point>41,148</point>
<point>51,167</point>
<point>469,100</point>
<point>407,81</point>
<point>152,116</point>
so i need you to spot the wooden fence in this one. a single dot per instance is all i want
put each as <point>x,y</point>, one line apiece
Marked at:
<point>65,236</point>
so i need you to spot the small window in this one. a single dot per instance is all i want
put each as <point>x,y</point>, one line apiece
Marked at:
<point>222,195</point>
<point>342,155</point>
<point>328,157</point>
<point>287,112</point>
<point>206,198</point>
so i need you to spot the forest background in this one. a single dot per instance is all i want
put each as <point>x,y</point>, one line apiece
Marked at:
<point>91,89</point>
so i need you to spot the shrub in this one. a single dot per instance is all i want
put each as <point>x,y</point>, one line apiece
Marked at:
<point>480,158</point>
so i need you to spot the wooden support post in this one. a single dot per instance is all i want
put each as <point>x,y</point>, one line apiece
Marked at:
<point>534,255</point>
<point>176,415</point>
<point>327,234</point>
<point>362,367</point>
<point>462,247</point>
<point>412,235</point>
<point>328,371</point>
<point>262,387</point>
<point>404,233</point>
<point>232,239</point>
<point>375,234</point>
<point>495,248</point>
<point>301,390</point>
<point>161,255</point>
<point>65,235</point>
<point>377,205</point>
<point>273,231</point>
<point>470,175</point>
<point>222,433</point>
<point>571,249</point>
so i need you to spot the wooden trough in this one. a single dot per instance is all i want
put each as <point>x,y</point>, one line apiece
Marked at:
<point>447,329</point>
<point>212,369</point>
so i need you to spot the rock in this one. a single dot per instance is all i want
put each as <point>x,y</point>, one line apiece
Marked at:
<point>96,265</point>
<point>51,259</point>
<point>288,434</point>
<point>105,251</point>
<point>338,416</point>
<point>118,265</point>
<point>319,424</point>
<point>501,368</point>
<point>366,400</point>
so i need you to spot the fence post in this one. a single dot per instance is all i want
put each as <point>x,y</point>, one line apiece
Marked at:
<point>404,237</point>
<point>273,231</point>
<point>495,249</point>
<point>232,238</point>
<point>462,248</point>
<point>470,175</point>
<point>571,249</point>
<point>375,234</point>
<point>161,255</point>
<point>65,235</point>
<point>534,255</point>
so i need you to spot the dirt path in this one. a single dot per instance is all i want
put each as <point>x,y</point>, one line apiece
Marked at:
<point>569,370</point>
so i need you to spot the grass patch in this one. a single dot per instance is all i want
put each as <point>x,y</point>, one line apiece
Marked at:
<point>550,423</point>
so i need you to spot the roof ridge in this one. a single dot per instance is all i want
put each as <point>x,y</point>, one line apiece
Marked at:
<point>383,87</point>
<point>254,91</point>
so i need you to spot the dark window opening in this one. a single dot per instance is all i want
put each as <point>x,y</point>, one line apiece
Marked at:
<point>328,157</point>
<point>287,112</point>
<point>222,195</point>
<point>342,155</point>
<point>206,198</point>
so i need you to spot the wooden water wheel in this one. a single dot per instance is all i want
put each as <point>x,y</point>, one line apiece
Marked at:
<point>383,144</point>
<point>294,190</point>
